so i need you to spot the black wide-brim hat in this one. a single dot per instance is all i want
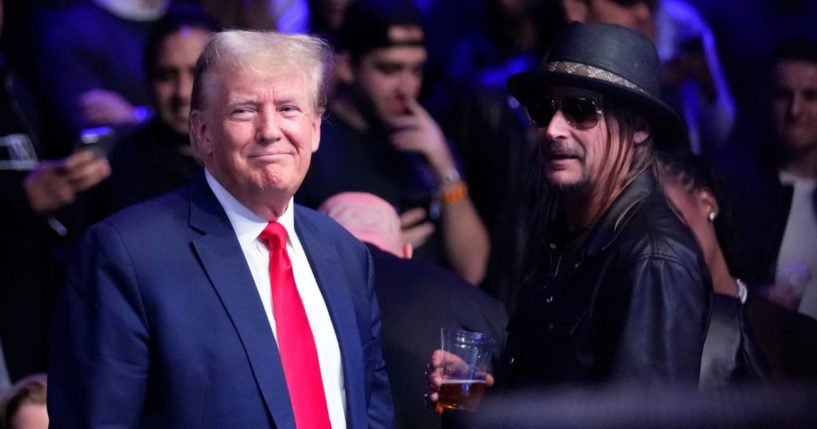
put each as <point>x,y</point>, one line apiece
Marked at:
<point>616,61</point>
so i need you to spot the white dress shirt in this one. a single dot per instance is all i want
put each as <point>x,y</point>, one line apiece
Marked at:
<point>797,258</point>
<point>248,226</point>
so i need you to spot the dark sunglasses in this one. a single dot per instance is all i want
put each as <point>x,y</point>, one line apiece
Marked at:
<point>580,112</point>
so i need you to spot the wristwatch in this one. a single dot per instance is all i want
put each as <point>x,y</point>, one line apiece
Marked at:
<point>743,291</point>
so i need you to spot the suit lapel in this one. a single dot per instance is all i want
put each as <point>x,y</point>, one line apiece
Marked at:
<point>328,270</point>
<point>223,261</point>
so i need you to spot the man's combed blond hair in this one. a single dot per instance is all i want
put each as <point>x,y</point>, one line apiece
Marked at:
<point>263,54</point>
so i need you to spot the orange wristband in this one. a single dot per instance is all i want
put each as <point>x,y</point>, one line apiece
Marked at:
<point>454,192</point>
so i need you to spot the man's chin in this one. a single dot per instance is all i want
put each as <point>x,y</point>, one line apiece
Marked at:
<point>566,184</point>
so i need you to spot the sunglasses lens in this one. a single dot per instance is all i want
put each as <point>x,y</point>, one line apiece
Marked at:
<point>541,111</point>
<point>580,112</point>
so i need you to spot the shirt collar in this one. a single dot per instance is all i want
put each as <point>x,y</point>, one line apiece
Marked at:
<point>787,178</point>
<point>248,225</point>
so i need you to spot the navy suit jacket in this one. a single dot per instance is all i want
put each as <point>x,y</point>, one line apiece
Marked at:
<point>160,323</point>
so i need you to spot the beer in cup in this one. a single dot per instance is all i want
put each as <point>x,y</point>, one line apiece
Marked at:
<point>466,362</point>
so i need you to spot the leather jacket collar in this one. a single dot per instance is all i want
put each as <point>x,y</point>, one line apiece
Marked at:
<point>619,213</point>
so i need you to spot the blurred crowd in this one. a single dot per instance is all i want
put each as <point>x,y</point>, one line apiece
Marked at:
<point>94,112</point>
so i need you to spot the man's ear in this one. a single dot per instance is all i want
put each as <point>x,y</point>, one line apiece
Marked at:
<point>344,70</point>
<point>641,136</point>
<point>575,10</point>
<point>316,131</point>
<point>199,134</point>
<point>642,133</point>
<point>706,201</point>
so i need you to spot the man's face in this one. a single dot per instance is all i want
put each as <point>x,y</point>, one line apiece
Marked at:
<point>635,14</point>
<point>575,159</point>
<point>794,105</point>
<point>256,133</point>
<point>386,77</point>
<point>172,79</point>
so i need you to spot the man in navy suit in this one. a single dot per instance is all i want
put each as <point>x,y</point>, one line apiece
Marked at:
<point>167,319</point>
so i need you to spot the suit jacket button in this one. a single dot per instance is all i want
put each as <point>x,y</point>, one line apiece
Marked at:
<point>550,326</point>
<point>549,299</point>
<point>511,361</point>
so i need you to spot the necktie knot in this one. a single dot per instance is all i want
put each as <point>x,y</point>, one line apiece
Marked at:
<point>274,235</point>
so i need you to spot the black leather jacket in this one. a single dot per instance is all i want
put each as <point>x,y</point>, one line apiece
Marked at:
<point>629,304</point>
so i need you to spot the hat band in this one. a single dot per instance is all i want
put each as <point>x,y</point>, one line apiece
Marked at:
<point>584,70</point>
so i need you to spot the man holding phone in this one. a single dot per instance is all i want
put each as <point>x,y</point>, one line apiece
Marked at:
<point>379,139</point>
<point>32,192</point>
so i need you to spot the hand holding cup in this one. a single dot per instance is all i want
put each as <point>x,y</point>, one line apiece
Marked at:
<point>458,373</point>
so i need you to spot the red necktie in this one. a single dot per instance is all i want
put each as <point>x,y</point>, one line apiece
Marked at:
<point>296,345</point>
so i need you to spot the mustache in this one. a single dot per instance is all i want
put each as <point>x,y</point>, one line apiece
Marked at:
<point>558,149</point>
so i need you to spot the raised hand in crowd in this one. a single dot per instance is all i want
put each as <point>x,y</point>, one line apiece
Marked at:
<point>54,184</point>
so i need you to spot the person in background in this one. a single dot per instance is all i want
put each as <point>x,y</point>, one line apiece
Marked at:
<point>730,352</point>
<point>223,303</point>
<point>23,406</point>
<point>775,201</point>
<point>747,33</point>
<point>490,131</point>
<point>416,298</point>
<point>693,79</point>
<point>284,16</point>
<point>35,194</point>
<point>776,194</point>
<point>379,139</point>
<point>326,17</point>
<point>89,63</point>
<point>156,156</point>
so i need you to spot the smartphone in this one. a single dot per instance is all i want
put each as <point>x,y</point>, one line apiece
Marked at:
<point>99,140</point>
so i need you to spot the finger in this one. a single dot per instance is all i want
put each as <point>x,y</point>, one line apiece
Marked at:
<point>52,166</point>
<point>437,357</point>
<point>432,401</point>
<point>412,216</point>
<point>405,140</point>
<point>403,123</point>
<point>77,169</point>
<point>414,106</point>
<point>78,159</point>
<point>92,176</point>
<point>417,235</point>
<point>89,97</point>
<point>435,380</point>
